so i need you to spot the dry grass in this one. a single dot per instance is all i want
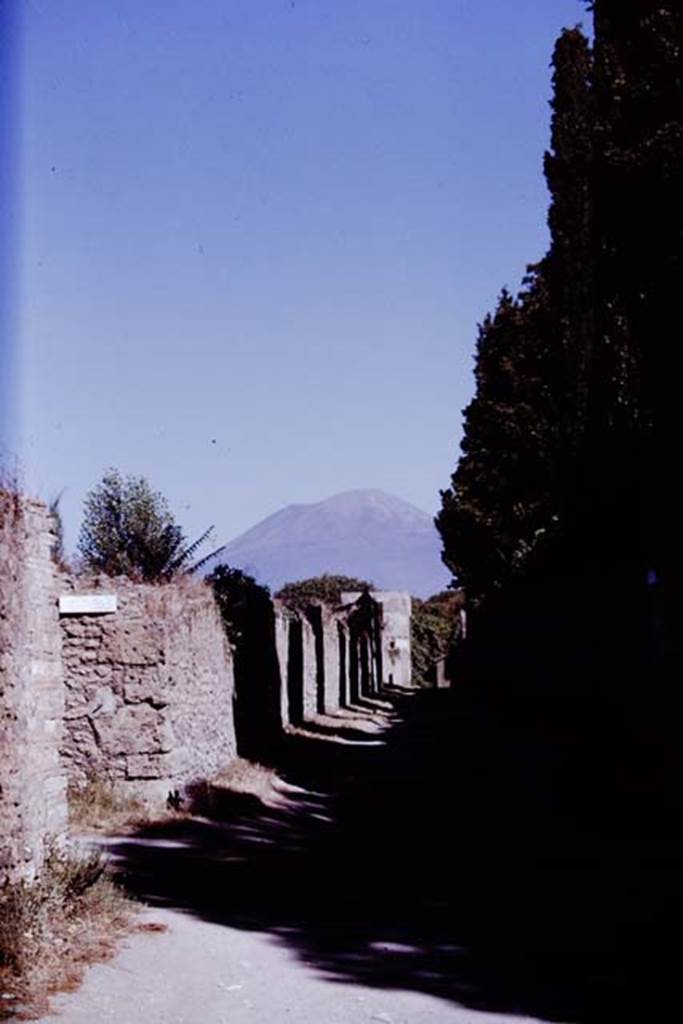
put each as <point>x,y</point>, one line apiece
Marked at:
<point>248,778</point>
<point>97,806</point>
<point>52,928</point>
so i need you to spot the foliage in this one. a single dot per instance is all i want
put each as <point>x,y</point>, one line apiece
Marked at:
<point>327,589</point>
<point>241,600</point>
<point>128,529</point>
<point>435,627</point>
<point>503,494</point>
<point>639,128</point>
<point>249,622</point>
<point>565,485</point>
<point>514,496</point>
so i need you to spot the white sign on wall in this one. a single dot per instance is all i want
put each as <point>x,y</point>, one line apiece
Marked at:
<point>87,604</point>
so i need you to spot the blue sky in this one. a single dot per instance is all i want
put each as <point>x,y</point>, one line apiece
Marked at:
<point>257,237</point>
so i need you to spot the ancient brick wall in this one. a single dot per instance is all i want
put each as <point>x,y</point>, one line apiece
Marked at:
<point>149,687</point>
<point>32,785</point>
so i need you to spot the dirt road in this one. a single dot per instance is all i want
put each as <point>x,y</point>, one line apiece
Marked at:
<point>425,873</point>
<point>203,973</point>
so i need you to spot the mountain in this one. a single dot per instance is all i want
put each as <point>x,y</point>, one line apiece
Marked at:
<point>368,533</point>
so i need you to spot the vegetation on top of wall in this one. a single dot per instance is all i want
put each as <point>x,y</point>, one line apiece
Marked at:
<point>10,479</point>
<point>129,530</point>
<point>434,629</point>
<point>249,622</point>
<point>8,505</point>
<point>327,589</point>
<point>240,599</point>
<point>10,501</point>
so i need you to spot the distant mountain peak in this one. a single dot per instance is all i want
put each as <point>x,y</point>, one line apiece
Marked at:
<point>372,496</point>
<point>364,532</point>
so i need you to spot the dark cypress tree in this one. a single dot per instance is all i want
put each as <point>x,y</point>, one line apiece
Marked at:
<point>639,256</point>
<point>568,267</point>
<point>588,496</point>
<point>502,498</point>
<point>516,484</point>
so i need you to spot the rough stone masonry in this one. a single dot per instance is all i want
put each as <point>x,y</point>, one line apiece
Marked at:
<point>149,686</point>
<point>33,806</point>
<point>135,684</point>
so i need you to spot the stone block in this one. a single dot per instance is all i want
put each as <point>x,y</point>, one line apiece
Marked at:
<point>145,686</point>
<point>148,766</point>
<point>134,729</point>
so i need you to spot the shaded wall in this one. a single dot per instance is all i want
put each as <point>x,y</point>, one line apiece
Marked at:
<point>258,683</point>
<point>32,784</point>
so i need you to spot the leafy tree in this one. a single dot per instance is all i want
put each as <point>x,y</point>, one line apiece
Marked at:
<point>327,588</point>
<point>128,529</point>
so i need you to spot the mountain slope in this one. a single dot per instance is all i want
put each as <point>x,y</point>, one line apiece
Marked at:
<point>363,533</point>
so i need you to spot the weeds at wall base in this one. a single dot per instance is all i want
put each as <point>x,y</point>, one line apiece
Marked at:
<point>54,927</point>
<point>97,805</point>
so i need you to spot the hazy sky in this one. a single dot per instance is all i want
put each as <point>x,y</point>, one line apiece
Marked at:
<point>257,236</point>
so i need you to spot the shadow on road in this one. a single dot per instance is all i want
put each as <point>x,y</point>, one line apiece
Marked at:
<point>444,861</point>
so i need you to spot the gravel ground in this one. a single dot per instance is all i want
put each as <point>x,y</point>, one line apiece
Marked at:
<point>202,973</point>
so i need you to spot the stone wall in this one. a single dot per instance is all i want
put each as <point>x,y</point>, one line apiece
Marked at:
<point>32,785</point>
<point>282,652</point>
<point>312,643</point>
<point>331,683</point>
<point>393,660</point>
<point>328,657</point>
<point>143,693</point>
<point>149,687</point>
<point>396,648</point>
<point>307,645</point>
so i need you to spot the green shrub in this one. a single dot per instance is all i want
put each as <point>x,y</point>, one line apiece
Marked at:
<point>327,588</point>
